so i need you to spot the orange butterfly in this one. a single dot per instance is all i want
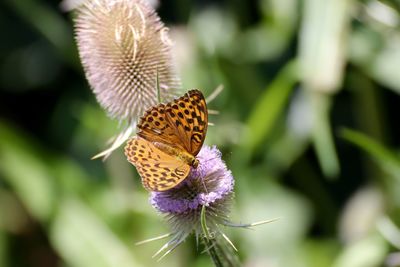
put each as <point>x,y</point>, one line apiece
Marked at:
<point>169,138</point>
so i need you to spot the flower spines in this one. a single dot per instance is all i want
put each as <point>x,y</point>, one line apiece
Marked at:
<point>124,47</point>
<point>210,185</point>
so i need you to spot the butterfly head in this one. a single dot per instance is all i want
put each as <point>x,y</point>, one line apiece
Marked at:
<point>194,163</point>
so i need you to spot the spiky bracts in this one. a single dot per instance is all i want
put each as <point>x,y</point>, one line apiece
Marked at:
<point>124,47</point>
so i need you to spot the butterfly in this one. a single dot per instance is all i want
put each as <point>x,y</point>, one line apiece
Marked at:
<point>168,139</point>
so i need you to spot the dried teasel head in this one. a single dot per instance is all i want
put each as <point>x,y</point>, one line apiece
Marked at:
<point>69,5</point>
<point>125,49</point>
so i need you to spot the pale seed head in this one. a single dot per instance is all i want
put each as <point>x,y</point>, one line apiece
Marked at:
<point>124,47</point>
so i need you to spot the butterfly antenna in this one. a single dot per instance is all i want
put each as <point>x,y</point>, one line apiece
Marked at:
<point>202,180</point>
<point>210,159</point>
<point>204,185</point>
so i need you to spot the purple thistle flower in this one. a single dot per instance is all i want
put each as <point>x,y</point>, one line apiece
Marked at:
<point>207,184</point>
<point>201,205</point>
<point>210,185</point>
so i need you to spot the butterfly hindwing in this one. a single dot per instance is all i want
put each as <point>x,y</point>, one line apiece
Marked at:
<point>159,171</point>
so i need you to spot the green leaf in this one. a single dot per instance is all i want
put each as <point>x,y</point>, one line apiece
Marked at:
<point>320,252</point>
<point>3,249</point>
<point>51,25</point>
<point>370,251</point>
<point>322,134</point>
<point>82,239</point>
<point>386,159</point>
<point>322,43</point>
<point>26,171</point>
<point>270,106</point>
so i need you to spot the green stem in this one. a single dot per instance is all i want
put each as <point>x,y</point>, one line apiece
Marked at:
<point>212,251</point>
<point>222,255</point>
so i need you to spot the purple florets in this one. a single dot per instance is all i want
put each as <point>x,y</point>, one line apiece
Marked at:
<point>209,183</point>
<point>205,195</point>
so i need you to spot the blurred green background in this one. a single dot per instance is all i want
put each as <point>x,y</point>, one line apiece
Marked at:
<point>308,123</point>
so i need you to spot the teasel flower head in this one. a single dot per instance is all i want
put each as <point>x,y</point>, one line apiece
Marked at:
<point>126,54</point>
<point>200,205</point>
<point>69,5</point>
<point>206,194</point>
<point>210,184</point>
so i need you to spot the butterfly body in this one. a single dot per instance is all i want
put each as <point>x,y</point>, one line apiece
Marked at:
<point>169,138</point>
<point>178,154</point>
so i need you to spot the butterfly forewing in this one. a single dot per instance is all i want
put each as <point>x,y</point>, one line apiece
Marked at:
<point>159,171</point>
<point>155,127</point>
<point>181,123</point>
<point>189,118</point>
